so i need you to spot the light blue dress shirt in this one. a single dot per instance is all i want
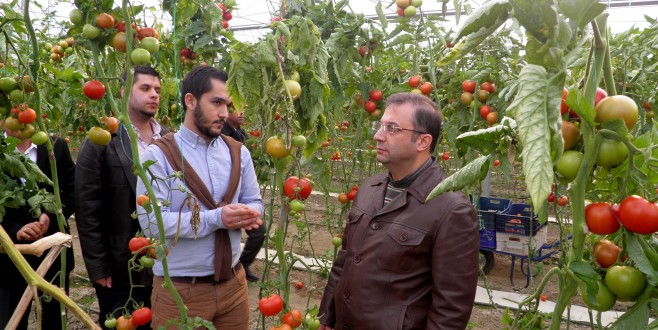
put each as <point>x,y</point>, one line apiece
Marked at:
<point>212,162</point>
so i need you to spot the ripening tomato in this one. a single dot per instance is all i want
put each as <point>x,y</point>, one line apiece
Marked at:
<point>276,148</point>
<point>563,200</point>
<point>488,86</point>
<point>124,323</point>
<point>492,117</point>
<point>600,95</point>
<point>370,106</point>
<point>281,327</point>
<point>27,116</point>
<point>141,199</point>
<point>617,107</point>
<point>426,88</point>
<point>482,95</point>
<point>445,155</point>
<point>496,163</point>
<point>119,42</point>
<point>638,215</point>
<point>414,81</point>
<point>111,124</point>
<point>292,318</point>
<point>606,253</point>
<point>352,194</point>
<point>146,32</point>
<point>105,21</point>
<point>466,98</point>
<point>564,108</point>
<point>551,197</point>
<point>342,198</point>
<point>484,111</point>
<point>137,243</point>
<point>570,134</point>
<point>99,136</point>
<point>271,305</point>
<point>600,219</point>
<point>468,86</point>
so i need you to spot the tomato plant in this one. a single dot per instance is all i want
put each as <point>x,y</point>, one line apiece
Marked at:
<point>606,253</point>
<point>138,243</point>
<point>626,282</point>
<point>604,298</point>
<point>141,316</point>
<point>270,305</point>
<point>617,107</point>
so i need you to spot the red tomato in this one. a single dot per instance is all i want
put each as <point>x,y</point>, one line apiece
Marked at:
<point>141,316</point>
<point>468,86</point>
<point>371,106</point>
<point>484,111</point>
<point>564,108</point>
<point>271,305</point>
<point>299,285</point>
<point>496,163</point>
<point>342,198</point>
<point>488,86</point>
<point>606,253</point>
<point>124,323</point>
<point>414,81</point>
<point>146,32</point>
<point>600,219</point>
<point>141,199</point>
<point>638,215</point>
<point>445,155</point>
<point>563,200</point>
<point>600,95</point>
<point>293,182</point>
<point>376,95</point>
<point>543,297</point>
<point>426,88</point>
<point>137,243</point>
<point>352,195</point>
<point>94,89</point>
<point>551,197</point>
<point>292,318</point>
<point>27,116</point>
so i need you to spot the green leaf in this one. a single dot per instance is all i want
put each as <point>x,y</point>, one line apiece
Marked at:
<point>577,102</point>
<point>193,29</point>
<point>486,140</point>
<point>265,54</point>
<point>470,42</point>
<point>468,175</point>
<point>490,14</point>
<point>581,12</point>
<point>536,111</point>
<point>185,11</point>
<point>380,14</point>
<point>636,317</point>
<point>645,257</point>
<point>584,272</point>
<point>202,41</point>
<point>538,17</point>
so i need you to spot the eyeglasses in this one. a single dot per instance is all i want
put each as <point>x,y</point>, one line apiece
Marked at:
<point>391,129</point>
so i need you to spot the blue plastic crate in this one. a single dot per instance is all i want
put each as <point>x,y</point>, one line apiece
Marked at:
<point>488,207</point>
<point>487,238</point>
<point>518,219</point>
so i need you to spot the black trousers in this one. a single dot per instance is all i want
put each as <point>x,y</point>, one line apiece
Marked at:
<point>13,286</point>
<point>111,299</point>
<point>254,242</point>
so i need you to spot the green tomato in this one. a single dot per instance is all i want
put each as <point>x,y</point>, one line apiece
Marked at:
<point>151,44</point>
<point>48,46</point>
<point>569,164</point>
<point>604,298</point>
<point>16,95</point>
<point>416,3</point>
<point>626,282</point>
<point>40,138</point>
<point>110,323</point>
<point>8,84</point>
<point>410,11</point>
<point>611,153</point>
<point>75,16</point>
<point>337,241</point>
<point>147,261</point>
<point>140,56</point>
<point>90,32</point>
<point>299,141</point>
<point>295,76</point>
<point>296,205</point>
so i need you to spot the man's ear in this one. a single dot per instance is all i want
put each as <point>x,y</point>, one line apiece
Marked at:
<point>190,101</point>
<point>423,142</point>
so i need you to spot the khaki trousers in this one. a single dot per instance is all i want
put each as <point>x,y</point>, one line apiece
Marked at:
<point>224,304</point>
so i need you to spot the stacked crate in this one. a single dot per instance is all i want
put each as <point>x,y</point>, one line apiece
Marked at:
<point>518,230</point>
<point>488,208</point>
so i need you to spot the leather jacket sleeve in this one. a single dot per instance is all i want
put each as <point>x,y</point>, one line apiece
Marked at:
<point>89,195</point>
<point>455,269</point>
<point>327,311</point>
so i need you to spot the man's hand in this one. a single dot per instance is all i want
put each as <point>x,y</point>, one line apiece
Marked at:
<point>238,216</point>
<point>105,282</point>
<point>30,232</point>
<point>44,222</point>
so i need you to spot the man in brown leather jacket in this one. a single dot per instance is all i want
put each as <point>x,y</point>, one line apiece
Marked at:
<point>404,263</point>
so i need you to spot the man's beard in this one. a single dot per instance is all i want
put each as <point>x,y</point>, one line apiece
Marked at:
<point>206,129</point>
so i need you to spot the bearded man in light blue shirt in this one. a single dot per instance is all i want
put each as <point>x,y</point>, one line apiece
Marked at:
<point>191,261</point>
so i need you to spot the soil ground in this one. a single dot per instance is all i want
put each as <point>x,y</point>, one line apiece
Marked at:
<point>321,221</point>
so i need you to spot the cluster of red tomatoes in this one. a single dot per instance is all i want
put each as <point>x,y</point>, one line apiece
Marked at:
<point>418,88</point>
<point>273,305</point>
<point>486,89</point>
<point>371,105</point>
<point>621,280</point>
<point>344,198</point>
<point>226,15</point>
<point>20,119</point>
<point>297,190</point>
<point>141,316</point>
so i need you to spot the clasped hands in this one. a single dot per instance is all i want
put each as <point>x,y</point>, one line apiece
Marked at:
<point>34,230</point>
<point>240,216</point>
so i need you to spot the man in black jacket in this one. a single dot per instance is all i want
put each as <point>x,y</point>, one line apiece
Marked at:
<point>105,184</point>
<point>24,228</point>
<point>255,237</point>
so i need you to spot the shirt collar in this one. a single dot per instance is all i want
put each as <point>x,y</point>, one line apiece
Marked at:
<point>191,138</point>
<point>155,127</point>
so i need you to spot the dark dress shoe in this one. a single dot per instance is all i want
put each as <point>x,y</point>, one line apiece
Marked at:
<point>250,276</point>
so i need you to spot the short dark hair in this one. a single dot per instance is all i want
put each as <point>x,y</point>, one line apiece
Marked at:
<point>426,117</point>
<point>197,81</point>
<point>137,70</point>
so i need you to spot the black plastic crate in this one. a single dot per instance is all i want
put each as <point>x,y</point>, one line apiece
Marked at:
<point>518,219</point>
<point>488,207</point>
